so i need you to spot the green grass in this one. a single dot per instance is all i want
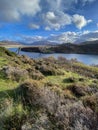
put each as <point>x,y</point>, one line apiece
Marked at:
<point>64,80</point>
<point>7,85</point>
<point>86,67</point>
<point>3,61</point>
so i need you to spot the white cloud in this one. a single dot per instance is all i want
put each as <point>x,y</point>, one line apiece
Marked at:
<point>74,37</point>
<point>33,26</point>
<point>59,19</point>
<point>66,37</point>
<point>89,21</point>
<point>61,5</point>
<point>47,28</point>
<point>65,4</point>
<point>30,7</point>
<point>97,24</point>
<point>12,10</point>
<point>80,21</point>
<point>50,14</point>
<point>85,32</point>
<point>56,20</point>
<point>31,39</point>
<point>88,36</point>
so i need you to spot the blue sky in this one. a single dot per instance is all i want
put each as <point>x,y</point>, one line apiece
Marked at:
<point>54,20</point>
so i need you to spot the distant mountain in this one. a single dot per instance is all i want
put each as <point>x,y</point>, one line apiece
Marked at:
<point>6,42</point>
<point>44,43</point>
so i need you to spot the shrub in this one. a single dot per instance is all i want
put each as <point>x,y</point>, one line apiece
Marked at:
<point>12,115</point>
<point>92,102</point>
<point>70,80</point>
<point>26,60</point>
<point>78,90</point>
<point>35,74</point>
<point>14,73</point>
<point>50,70</point>
<point>47,70</point>
<point>30,92</point>
<point>38,95</point>
<point>16,118</point>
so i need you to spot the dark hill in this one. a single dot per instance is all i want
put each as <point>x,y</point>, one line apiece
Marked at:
<point>90,47</point>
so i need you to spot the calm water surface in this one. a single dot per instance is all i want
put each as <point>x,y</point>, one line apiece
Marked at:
<point>87,59</point>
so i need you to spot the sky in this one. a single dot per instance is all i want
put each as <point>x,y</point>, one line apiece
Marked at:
<point>59,21</point>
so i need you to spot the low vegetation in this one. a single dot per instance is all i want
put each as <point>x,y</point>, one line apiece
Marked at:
<point>47,93</point>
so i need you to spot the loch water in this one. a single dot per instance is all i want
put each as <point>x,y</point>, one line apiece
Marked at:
<point>84,58</point>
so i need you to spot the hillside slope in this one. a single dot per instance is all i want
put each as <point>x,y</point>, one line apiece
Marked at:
<point>47,94</point>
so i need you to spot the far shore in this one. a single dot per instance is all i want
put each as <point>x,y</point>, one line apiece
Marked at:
<point>12,46</point>
<point>22,46</point>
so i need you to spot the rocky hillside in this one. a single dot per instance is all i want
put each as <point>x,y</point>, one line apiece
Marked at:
<point>47,94</point>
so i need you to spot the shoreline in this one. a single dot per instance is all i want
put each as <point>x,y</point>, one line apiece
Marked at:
<point>12,46</point>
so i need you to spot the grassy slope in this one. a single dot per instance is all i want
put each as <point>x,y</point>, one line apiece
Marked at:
<point>73,72</point>
<point>8,58</point>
